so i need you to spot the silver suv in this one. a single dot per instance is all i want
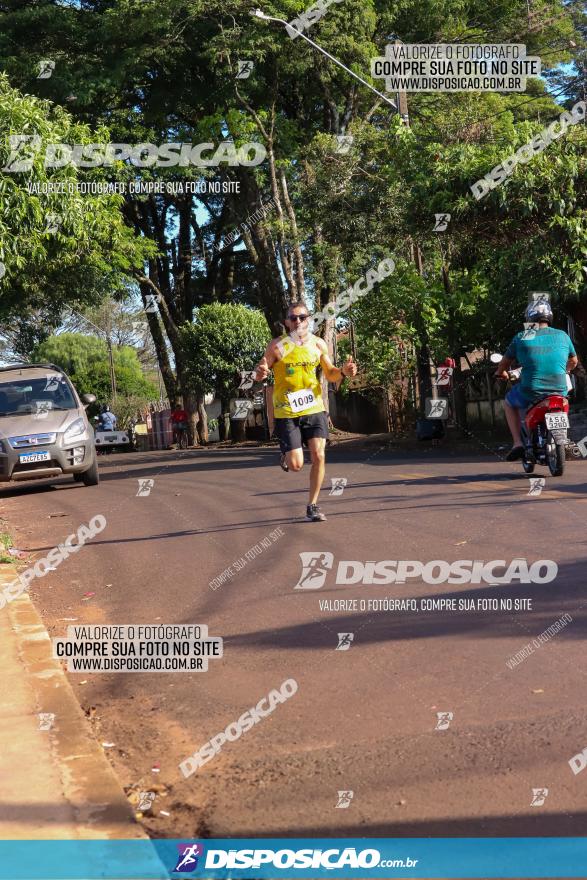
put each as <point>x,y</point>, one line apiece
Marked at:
<point>44,430</point>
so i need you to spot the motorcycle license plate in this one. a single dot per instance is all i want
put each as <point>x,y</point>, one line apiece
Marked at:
<point>556,420</point>
<point>300,400</point>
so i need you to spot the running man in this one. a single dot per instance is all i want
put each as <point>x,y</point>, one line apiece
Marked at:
<point>298,407</point>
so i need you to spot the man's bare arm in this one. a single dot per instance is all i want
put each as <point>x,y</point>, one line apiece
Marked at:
<point>265,365</point>
<point>332,373</point>
<point>503,367</point>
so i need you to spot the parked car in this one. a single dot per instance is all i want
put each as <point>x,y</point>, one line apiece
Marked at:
<point>44,429</point>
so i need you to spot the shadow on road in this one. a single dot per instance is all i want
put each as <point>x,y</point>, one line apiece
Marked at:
<point>549,601</point>
<point>534,825</point>
<point>436,480</point>
<point>124,467</point>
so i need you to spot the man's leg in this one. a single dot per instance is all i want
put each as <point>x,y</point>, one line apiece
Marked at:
<point>514,406</point>
<point>290,442</point>
<point>514,419</point>
<point>295,459</point>
<point>317,446</point>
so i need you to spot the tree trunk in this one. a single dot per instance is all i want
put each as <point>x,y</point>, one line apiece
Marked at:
<point>190,404</point>
<point>459,394</point>
<point>202,419</point>
<point>330,340</point>
<point>161,350</point>
<point>423,364</point>
<point>424,380</point>
<point>273,296</point>
<point>238,429</point>
<point>224,418</point>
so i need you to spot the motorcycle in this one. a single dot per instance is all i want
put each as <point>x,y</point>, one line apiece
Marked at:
<point>544,429</point>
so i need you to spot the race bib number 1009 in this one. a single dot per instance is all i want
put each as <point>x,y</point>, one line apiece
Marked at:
<point>300,400</point>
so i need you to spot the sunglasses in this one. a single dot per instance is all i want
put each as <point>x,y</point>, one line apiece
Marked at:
<point>297,317</point>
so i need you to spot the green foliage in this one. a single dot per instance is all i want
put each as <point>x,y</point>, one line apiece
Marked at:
<point>6,543</point>
<point>167,73</point>
<point>91,249</point>
<point>85,360</point>
<point>385,326</point>
<point>129,407</point>
<point>223,339</point>
<point>530,233</point>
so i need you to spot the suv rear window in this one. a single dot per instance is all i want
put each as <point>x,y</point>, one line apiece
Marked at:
<point>25,396</point>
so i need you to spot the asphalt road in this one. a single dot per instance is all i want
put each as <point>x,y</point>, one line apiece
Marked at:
<point>363,719</point>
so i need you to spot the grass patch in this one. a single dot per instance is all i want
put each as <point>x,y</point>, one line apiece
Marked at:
<point>5,544</point>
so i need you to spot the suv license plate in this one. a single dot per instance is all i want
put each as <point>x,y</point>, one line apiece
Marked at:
<point>556,420</point>
<point>30,457</point>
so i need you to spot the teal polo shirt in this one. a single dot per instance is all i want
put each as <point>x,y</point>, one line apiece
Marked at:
<point>543,356</point>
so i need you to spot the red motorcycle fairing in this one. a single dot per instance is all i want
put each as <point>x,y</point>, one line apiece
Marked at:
<point>552,403</point>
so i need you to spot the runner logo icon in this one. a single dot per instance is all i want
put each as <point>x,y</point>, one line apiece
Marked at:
<point>344,799</point>
<point>441,222</point>
<point>444,719</point>
<point>187,860</point>
<point>539,795</point>
<point>314,568</point>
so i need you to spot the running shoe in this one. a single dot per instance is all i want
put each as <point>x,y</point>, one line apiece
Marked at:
<point>515,453</point>
<point>283,463</point>
<point>314,514</point>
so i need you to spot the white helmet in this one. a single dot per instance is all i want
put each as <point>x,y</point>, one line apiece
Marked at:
<point>539,310</point>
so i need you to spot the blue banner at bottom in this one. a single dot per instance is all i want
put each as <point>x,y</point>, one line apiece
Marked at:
<point>375,857</point>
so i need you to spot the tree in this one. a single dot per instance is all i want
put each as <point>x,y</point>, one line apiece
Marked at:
<point>570,81</point>
<point>334,216</point>
<point>59,247</point>
<point>120,320</point>
<point>85,360</point>
<point>223,339</point>
<point>530,233</point>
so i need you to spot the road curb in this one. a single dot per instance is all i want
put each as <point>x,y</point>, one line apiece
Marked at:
<point>89,786</point>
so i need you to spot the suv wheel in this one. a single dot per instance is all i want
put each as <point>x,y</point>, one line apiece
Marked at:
<point>91,477</point>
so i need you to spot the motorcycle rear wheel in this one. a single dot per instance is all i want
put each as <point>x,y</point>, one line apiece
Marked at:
<point>555,456</point>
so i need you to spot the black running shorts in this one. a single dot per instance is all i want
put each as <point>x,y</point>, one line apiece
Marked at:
<point>292,432</point>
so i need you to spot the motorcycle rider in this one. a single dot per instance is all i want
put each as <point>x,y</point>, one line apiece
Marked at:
<point>106,419</point>
<point>178,421</point>
<point>545,355</point>
<point>298,406</point>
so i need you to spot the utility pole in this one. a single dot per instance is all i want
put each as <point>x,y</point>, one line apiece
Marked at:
<point>402,105</point>
<point>425,384</point>
<point>352,334</point>
<point>402,100</point>
<point>112,373</point>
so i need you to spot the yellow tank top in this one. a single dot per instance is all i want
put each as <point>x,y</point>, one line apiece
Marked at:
<point>297,390</point>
